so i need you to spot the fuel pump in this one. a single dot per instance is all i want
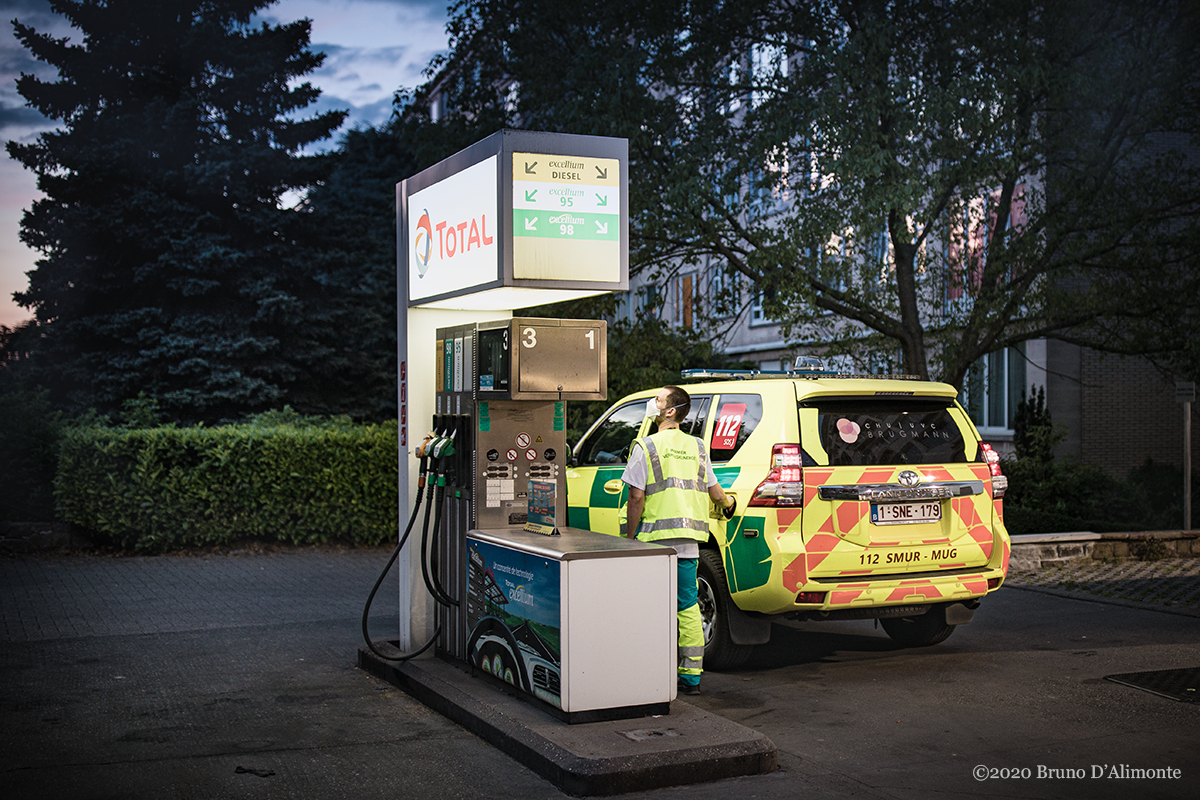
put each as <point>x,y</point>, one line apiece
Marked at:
<point>500,424</point>
<point>503,387</point>
<point>522,597</point>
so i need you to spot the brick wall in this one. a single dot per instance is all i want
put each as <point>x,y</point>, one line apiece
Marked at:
<point>1129,414</point>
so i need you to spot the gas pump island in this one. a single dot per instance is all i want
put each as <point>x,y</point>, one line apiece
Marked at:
<point>581,623</point>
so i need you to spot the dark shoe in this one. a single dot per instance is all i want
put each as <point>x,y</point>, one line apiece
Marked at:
<point>690,689</point>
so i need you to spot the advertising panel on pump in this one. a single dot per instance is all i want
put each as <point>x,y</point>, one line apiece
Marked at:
<point>514,613</point>
<point>454,233</point>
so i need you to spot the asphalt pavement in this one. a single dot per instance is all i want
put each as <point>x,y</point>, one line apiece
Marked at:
<point>233,675</point>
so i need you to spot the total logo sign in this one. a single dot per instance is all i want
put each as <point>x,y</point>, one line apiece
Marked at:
<point>452,233</point>
<point>451,239</point>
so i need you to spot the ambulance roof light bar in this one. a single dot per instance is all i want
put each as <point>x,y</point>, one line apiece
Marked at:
<point>805,367</point>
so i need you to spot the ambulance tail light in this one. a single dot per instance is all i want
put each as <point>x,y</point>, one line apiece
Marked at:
<point>784,484</point>
<point>999,479</point>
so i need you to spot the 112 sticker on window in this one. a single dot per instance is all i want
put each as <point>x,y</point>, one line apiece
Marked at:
<point>729,422</point>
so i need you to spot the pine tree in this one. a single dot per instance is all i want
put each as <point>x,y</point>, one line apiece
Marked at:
<point>169,262</point>
<point>353,255</point>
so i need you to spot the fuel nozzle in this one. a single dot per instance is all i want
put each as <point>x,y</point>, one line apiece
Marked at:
<point>444,446</point>
<point>424,449</point>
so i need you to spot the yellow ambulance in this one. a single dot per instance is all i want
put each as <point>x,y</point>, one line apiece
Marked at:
<point>859,497</point>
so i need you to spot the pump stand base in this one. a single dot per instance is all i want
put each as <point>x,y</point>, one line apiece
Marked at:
<point>572,717</point>
<point>594,758</point>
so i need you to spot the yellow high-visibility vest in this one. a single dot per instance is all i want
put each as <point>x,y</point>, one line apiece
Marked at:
<point>676,487</point>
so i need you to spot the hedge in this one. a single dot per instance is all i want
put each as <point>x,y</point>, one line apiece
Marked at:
<point>160,488</point>
<point>1018,520</point>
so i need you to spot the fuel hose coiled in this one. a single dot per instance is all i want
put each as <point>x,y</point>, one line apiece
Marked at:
<point>435,446</point>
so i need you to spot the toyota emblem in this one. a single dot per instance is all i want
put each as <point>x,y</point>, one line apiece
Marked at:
<point>909,478</point>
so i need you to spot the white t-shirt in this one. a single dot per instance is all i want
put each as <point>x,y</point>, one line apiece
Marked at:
<point>637,473</point>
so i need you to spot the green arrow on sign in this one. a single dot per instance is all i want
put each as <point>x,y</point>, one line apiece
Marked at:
<point>529,195</point>
<point>602,198</point>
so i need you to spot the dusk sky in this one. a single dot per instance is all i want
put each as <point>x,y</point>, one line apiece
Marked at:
<point>372,47</point>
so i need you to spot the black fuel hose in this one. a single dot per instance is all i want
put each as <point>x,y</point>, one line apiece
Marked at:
<point>379,581</point>
<point>429,553</point>
<point>437,532</point>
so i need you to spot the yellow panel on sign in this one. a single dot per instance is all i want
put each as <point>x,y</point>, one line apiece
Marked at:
<point>566,169</point>
<point>566,218</point>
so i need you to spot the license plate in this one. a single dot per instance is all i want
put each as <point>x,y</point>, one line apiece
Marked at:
<point>905,513</point>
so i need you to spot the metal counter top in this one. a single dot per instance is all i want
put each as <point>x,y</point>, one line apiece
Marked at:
<point>571,544</point>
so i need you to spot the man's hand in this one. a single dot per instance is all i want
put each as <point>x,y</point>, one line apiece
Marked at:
<point>729,509</point>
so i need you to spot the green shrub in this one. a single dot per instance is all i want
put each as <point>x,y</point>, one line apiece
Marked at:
<point>1019,520</point>
<point>277,477</point>
<point>1051,496</point>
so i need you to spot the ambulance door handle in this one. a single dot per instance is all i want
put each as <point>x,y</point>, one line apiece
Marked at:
<point>614,486</point>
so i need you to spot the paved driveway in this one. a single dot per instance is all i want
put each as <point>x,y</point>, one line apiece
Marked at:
<point>233,676</point>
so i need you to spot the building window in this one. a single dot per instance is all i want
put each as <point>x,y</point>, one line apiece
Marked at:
<point>724,294</point>
<point>994,386</point>
<point>682,290</point>
<point>768,63</point>
<point>757,315</point>
<point>648,302</point>
<point>970,236</point>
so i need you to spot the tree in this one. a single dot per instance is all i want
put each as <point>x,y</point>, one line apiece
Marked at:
<point>169,256</point>
<point>353,252</point>
<point>913,181</point>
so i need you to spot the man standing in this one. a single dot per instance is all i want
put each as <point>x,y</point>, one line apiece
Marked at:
<point>670,483</point>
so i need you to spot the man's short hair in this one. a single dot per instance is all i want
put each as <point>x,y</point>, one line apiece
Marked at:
<point>678,397</point>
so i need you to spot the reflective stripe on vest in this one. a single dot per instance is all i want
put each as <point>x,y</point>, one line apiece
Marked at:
<point>676,489</point>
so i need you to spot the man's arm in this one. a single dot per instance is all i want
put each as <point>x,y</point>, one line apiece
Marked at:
<point>715,492</point>
<point>637,503</point>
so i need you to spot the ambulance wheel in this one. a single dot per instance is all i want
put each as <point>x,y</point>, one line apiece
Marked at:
<point>720,652</point>
<point>927,629</point>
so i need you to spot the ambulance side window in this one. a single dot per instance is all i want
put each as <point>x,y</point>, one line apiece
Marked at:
<point>697,416</point>
<point>609,442</point>
<point>737,415</point>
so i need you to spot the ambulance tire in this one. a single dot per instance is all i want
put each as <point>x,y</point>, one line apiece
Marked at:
<point>720,652</point>
<point>923,631</point>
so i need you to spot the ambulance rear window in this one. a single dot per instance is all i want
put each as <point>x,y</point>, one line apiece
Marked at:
<point>877,431</point>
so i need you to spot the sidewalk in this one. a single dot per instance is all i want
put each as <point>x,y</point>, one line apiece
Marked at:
<point>1168,584</point>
